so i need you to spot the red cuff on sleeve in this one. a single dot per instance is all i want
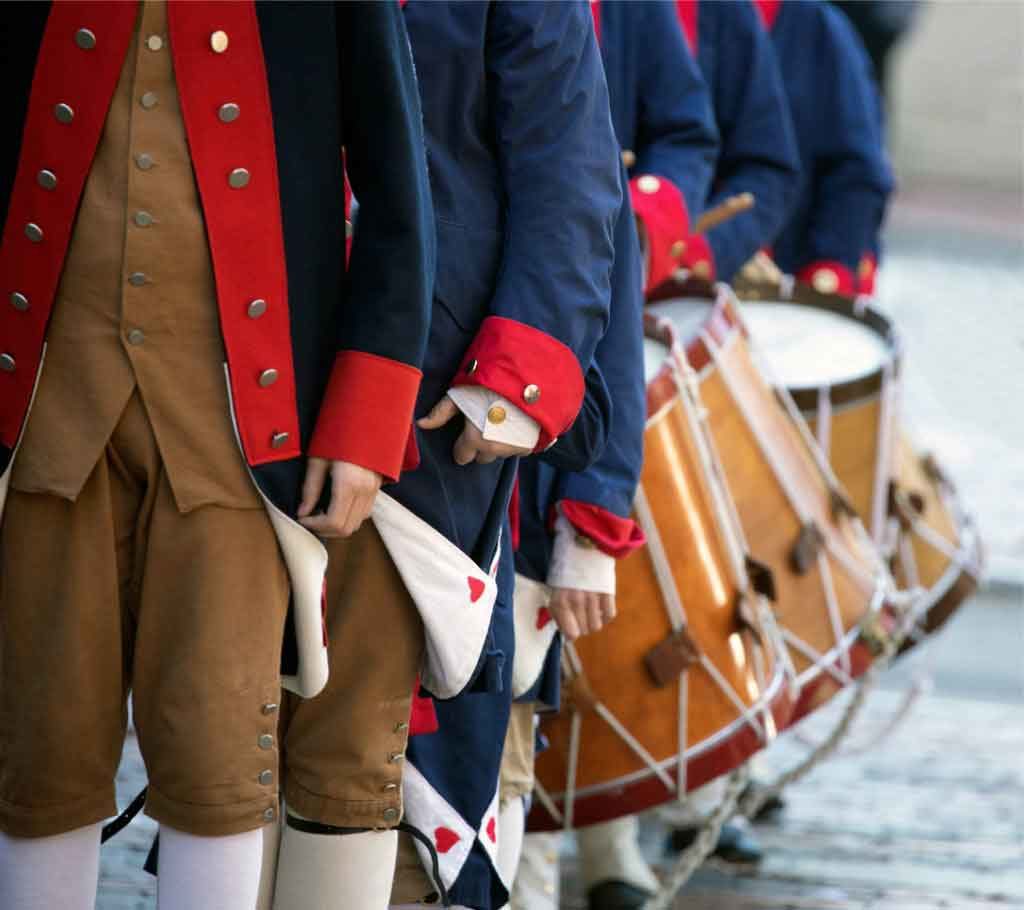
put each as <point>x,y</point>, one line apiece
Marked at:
<point>615,536</point>
<point>366,415</point>
<point>661,209</point>
<point>866,272</point>
<point>829,277</point>
<point>699,257</point>
<point>533,370</point>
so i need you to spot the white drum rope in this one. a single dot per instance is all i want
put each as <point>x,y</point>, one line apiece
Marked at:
<point>909,561</point>
<point>635,745</point>
<point>832,603</point>
<point>824,419</point>
<point>884,473</point>
<point>660,561</point>
<point>819,662</point>
<point>747,715</point>
<point>544,798</point>
<point>570,773</point>
<point>683,734</point>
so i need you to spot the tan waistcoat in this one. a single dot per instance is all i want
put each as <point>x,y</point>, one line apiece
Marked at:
<point>136,307</point>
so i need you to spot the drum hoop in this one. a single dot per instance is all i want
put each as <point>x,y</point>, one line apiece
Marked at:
<point>767,699</point>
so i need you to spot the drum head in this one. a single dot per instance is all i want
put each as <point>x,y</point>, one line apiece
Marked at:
<point>686,314</point>
<point>814,348</point>
<point>655,354</point>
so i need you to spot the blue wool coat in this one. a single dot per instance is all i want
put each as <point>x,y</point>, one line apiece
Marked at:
<point>845,176</point>
<point>758,146</point>
<point>525,177</point>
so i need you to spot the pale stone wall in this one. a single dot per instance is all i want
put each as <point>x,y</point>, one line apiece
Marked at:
<point>957,103</point>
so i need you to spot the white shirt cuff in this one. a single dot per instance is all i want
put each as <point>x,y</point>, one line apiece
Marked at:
<point>577,563</point>
<point>496,417</point>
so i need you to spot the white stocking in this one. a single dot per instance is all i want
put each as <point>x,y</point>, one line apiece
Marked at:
<point>268,871</point>
<point>215,873</point>
<point>41,873</point>
<point>511,828</point>
<point>335,871</point>
<point>536,884</point>
<point>611,852</point>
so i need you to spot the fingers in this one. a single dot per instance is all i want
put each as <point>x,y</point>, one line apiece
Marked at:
<point>312,485</point>
<point>354,490</point>
<point>467,445</point>
<point>439,415</point>
<point>561,611</point>
<point>592,605</point>
<point>608,611</point>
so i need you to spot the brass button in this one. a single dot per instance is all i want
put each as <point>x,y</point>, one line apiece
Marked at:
<point>85,39</point>
<point>266,777</point>
<point>19,301</point>
<point>531,394</point>
<point>64,113</point>
<point>395,757</point>
<point>269,708</point>
<point>155,42</point>
<point>390,814</point>
<point>219,42</point>
<point>47,179</point>
<point>256,308</point>
<point>143,219</point>
<point>34,232</point>
<point>238,178</point>
<point>269,814</point>
<point>471,367</point>
<point>648,184</point>
<point>389,788</point>
<point>677,250</point>
<point>496,414</point>
<point>266,741</point>
<point>7,363</point>
<point>143,161</point>
<point>137,279</point>
<point>229,112</point>
<point>136,337</point>
<point>278,440</point>
<point>702,269</point>
<point>401,726</point>
<point>825,281</point>
<point>149,100</point>
<point>628,158</point>
<point>585,542</point>
<point>268,377</point>
<point>349,230</point>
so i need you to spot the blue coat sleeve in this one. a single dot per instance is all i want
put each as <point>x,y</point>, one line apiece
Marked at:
<point>851,175</point>
<point>676,136</point>
<point>759,152</point>
<point>559,165</point>
<point>610,482</point>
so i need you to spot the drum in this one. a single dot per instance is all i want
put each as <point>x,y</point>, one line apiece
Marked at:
<point>830,582</point>
<point>686,683</point>
<point>841,363</point>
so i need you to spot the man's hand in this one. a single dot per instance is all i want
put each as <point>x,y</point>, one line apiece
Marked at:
<point>353,491</point>
<point>580,612</point>
<point>471,445</point>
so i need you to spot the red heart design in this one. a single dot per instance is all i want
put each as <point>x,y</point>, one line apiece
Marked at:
<point>476,589</point>
<point>491,831</point>
<point>445,839</point>
<point>543,617</point>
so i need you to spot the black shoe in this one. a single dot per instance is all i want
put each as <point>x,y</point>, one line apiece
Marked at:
<point>736,845</point>
<point>771,808</point>
<point>614,895</point>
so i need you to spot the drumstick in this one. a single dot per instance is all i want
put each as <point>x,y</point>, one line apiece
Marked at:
<point>722,212</point>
